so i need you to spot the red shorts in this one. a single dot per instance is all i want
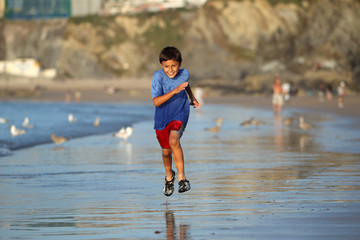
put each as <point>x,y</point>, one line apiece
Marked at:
<point>163,136</point>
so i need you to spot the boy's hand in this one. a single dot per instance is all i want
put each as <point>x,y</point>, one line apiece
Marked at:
<point>181,87</point>
<point>194,103</point>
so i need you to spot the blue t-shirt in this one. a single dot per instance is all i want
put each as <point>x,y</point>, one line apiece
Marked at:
<point>176,108</point>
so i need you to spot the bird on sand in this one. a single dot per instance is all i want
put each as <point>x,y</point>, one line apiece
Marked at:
<point>124,133</point>
<point>247,122</point>
<point>256,122</point>
<point>97,122</point>
<point>304,125</point>
<point>58,139</point>
<point>16,132</point>
<point>3,120</point>
<point>26,123</point>
<point>288,121</point>
<point>216,129</point>
<point>71,118</point>
<point>252,121</point>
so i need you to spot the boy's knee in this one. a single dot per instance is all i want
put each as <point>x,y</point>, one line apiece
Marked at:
<point>174,141</point>
<point>166,153</point>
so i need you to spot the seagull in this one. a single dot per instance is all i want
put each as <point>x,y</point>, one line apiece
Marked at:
<point>97,122</point>
<point>256,122</point>
<point>3,120</point>
<point>217,128</point>
<point>16,132</point>
<point>247,122</point>
<point>27,124</point>
<point>288,121</point>
<point>58,139</point>
<point>71,118</point>
<point>303,125</point>
<point>124,133</point>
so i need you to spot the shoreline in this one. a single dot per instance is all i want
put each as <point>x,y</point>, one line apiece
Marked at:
<point>312,103</point>
<point>138,90</point>
<point>299,102</point>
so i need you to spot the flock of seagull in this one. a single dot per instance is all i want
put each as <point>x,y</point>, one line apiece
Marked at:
<point>255,122</point>
<point>15,131</point>
<point>124,133</point>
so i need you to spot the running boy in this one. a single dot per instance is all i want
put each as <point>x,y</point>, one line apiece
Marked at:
<point>172,114</point>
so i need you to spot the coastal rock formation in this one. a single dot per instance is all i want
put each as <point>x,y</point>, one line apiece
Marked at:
<point>229,45</point>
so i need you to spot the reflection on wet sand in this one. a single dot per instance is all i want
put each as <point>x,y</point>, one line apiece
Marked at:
<point>278,132</point>
<point>174,231</point>
<point>127,147</point>
<point>257,182</point>
<point>285,137</point>
<point>261,164</point>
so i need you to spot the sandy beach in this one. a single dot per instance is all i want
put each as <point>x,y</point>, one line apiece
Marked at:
<point>271,181</point>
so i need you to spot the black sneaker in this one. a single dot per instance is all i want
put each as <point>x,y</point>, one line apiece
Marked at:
<point>184,185</point>
<point>169,185</point>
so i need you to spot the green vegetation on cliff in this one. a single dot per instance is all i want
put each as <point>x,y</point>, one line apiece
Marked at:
<point>167,33</point>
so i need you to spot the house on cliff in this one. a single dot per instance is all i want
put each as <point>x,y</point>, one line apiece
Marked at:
<point>39,9</point>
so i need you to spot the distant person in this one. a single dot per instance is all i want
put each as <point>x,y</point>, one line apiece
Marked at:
<point>321,92</point>
<point>68,96</point>
<point>277,98</point>
<point>294,90</point>
<point>341,94</point>
<point>329,92</point>
<point>171,93</point>
<point>78,95</point>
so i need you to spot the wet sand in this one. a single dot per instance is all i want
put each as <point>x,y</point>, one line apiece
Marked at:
<point>260,182</point>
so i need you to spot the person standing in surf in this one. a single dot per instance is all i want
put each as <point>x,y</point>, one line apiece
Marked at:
<point>171,92</point>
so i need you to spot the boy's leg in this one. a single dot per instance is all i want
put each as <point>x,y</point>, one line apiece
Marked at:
<point>177,152</point>
<point>167,159</point>
<point>163,138</point>
<point>170,174</point>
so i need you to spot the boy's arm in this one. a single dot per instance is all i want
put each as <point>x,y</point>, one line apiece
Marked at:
<point>193,100</point>
<point>158,101</point>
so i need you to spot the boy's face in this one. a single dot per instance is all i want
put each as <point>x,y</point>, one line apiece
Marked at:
<point>170,67</point>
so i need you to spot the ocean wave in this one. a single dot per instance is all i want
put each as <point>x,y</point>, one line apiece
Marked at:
<point>4,149</point>
<point>48,118</point>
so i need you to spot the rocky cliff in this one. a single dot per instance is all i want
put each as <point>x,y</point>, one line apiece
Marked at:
<point>232,45</point>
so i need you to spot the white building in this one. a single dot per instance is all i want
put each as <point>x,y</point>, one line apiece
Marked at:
<point>26,67</point>
<point>110,7</point>
<point>85,7</point>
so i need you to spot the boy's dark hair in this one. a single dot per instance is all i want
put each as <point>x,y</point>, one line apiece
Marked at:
<point>170,53</point>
